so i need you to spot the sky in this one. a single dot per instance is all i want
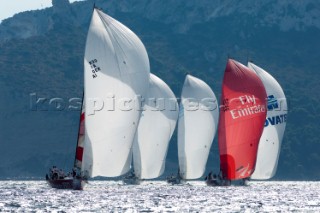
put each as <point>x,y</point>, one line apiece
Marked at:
<point>10,7</point>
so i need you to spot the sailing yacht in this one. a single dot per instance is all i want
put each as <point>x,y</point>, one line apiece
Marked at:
<point>274,127</point>
<point>242,118</point>
<point>156,126</point>
<point>116,75</point>
<point>197,124</point>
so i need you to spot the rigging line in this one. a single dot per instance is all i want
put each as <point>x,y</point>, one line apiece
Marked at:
<point>66,158</point>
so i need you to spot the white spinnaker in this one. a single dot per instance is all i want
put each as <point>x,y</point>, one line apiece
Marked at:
<point>156,126</point>
<point>116,71</point>
<point>270,141</point>
<point>197,125</point>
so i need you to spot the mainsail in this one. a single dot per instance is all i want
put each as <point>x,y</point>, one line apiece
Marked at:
<point>116,73</point>
<point>80,142</point>
<point>275,124</point>
<point>242,118</point>
<point>198,119</point>
<point>156,126</point>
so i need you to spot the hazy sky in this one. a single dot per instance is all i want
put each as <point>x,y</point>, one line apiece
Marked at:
<point>10,7</point>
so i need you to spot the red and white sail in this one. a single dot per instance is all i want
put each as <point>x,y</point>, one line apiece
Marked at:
<point>275,124</point>
<point>80,143</point>
<point>242,118</point>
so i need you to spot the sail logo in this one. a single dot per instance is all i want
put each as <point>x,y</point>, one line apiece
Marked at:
<point>247,99</point>
<point>94,67</point>
<point>243,170</point>
<point>248,107</point>
<point>225,106</point>
<point>272,103</point>
<point>275,120</point>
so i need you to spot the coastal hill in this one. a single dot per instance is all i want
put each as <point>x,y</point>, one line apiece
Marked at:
<point>41,56</point>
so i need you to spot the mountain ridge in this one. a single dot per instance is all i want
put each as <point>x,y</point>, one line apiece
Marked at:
<point>45,56</point>
<point>287,15</point>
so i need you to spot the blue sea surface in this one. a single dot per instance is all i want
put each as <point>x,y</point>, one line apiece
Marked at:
<point>158,196</point>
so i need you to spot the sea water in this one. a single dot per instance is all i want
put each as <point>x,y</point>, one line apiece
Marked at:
<point>158,196</point>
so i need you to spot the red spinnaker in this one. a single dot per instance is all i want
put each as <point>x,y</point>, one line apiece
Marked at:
<point>241,122</point>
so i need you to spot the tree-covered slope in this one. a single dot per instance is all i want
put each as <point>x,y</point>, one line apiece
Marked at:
<point>50,65</point>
